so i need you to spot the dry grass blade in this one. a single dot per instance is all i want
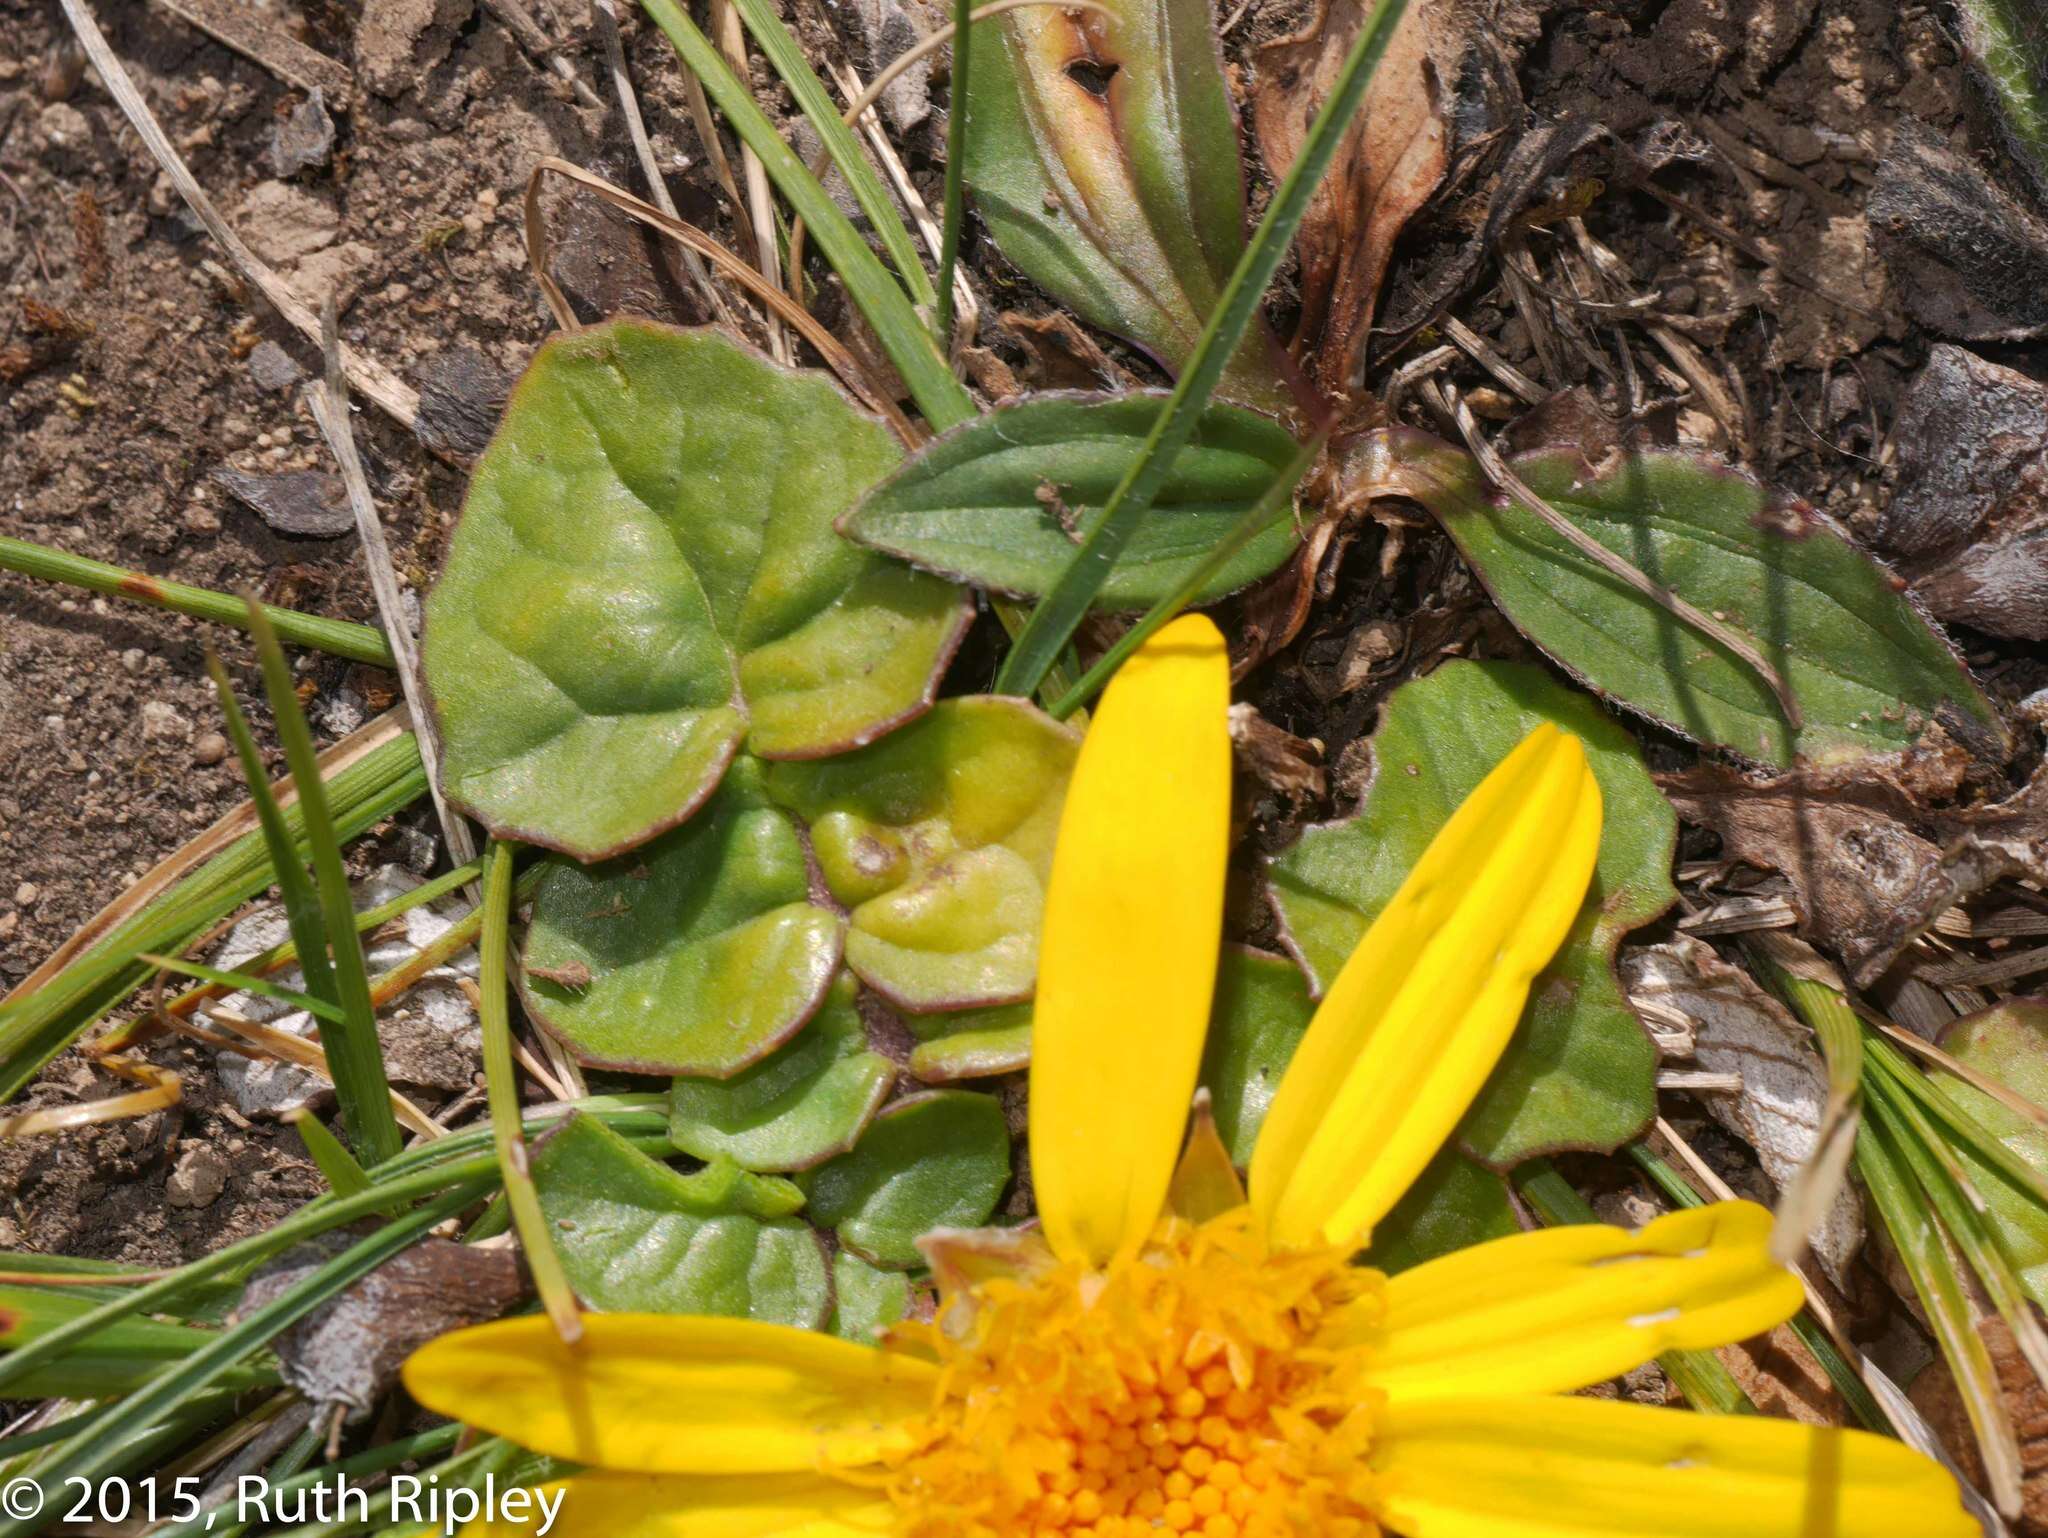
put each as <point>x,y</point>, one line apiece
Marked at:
<point>643,150</point>
<point>1447,401</point>
<point>1820,996</point>
<point>260,1040</point>
<point>329,400</point>
<point>377,382</point>
<point>863,102</point>
<point>731,37</point>
<point>841,361</point>
<point>162,1090</point>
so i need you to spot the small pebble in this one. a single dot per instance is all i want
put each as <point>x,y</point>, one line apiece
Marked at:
<point>132,659</point>
<point>26,894</point>
<point>211,748</point>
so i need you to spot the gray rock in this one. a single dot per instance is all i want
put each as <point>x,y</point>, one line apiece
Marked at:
<point>201,1175</point>
<point>309,503</point>
<point>273,368</point>
<point>304,139</point>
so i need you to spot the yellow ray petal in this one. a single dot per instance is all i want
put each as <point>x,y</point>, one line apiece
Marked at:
<point>697,1506</point>
<point>1545,1312</point>
<point>1133,921</point>
<point>668,1394</point>
<point>1419,1014</point>
<point>1591,1468</point>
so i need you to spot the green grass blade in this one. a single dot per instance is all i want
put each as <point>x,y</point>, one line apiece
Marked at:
<point>206,1365</point>
<point>1699,1375</point>
<point>39,1025</point>
<point>1930,1261</point>
<point>337,638</point>
<point>786,55</point>
<point>955,206</point>
<point>897,326</point>
<point>247,982</point>
<point>463,1157</point>
<point>369,919</point>
<point>1277,502</point>
<point>373,1460</point>
<point>354,1055</point>
<point>344,1176</point>
<point>1054,620</point>
<point>502,1090</point>
<point>301,903</point>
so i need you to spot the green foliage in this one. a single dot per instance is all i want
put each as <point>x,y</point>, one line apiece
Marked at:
<point>1261,1010</point>
<point>938,839</point>
<point>999,501</point>
<point>971,1043</point>
<point>1040,643</point>
<point>1869,673</point>
<point>938,1160</point>
<point>867,1299</point>
<point>805,1102</point>
<point>1130,207</point>
<point>646,576</point>
<point>637,1237</point>
<point>2007,1044</point>
<point>1454,1204</point>
<point>1580,1072</point>
<point>699,953</point>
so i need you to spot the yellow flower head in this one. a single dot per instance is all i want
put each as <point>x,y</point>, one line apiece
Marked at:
<point>1176,1355</point>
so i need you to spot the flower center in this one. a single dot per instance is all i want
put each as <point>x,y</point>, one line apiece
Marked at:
<point>1205,1387</point>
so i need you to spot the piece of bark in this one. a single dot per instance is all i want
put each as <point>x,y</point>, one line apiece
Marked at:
<point>1970,261</point>
<point>348,1352</point>
<point>1969,517</point>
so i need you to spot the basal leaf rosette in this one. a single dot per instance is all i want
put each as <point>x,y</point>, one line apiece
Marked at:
<point>1581,1072</point>
<point>646,577</point>
<point>1173,1346</point>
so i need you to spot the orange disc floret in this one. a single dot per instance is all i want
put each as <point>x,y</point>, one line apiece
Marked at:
<point>1197,1388</point>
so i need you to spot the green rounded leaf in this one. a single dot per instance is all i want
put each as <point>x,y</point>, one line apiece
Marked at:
<point>646,574</point>
<point>937,1160</point>
<point>1453,1205</point>
<point>971,1043</point>
<point>1580,1072</point>
<point>868,1298</point>
<point>637,1237</point>
<point>1869,672</point>
<point>938,839</point>
<point>699,953</point>
<point>1001,500</point>
<point>803,1103</point>
<point>1260,1013</point>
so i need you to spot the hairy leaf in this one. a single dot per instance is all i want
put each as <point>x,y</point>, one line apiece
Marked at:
<point>1002,500</point>
<point>939,840</point>
<point>1580,1072</point>
<point>1454,1204</point>
<point>646,575</point>
<point>1869,673</point>
<point>867,1299</point>
<point>699,953</point>
<point>637,1237</point>
<point>803,1103</point>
